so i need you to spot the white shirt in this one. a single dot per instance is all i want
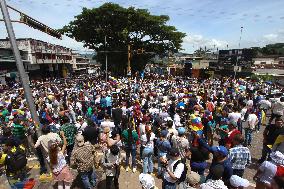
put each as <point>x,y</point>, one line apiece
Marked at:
<point>44,139</point>
<point>278,108</point>
<point>177,172</point>
<point>234,116</point>
<point>251,121</point>
<point>107,124</point>
<point>149,144</point>
<point>265,104</point>
<point>268,172</point>
<point>142,129</point>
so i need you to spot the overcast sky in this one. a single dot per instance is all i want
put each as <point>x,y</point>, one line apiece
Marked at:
<point>206,22</point>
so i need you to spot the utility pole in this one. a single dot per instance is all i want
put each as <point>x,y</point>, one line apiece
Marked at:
<point>106,57</point>
<point>235,69</point>
<point>19,63</point>
<point>128,62</point>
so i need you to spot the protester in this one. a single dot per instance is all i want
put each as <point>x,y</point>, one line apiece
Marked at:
<point>175,171</point>
<point>147,141</point>
<point>239,156</point>
<point>270,134</point>
<point>82,159</point>
<point>130,137</point>
<point>215,181</point>
<point>60,170</point>
<point>111,164</point>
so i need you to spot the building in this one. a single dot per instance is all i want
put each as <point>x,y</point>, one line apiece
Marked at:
<point>269,62</point>
<point>40,58</point>
<point>235,57</point>
<point>80,64</point>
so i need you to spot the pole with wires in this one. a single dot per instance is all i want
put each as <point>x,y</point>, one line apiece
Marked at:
<point>19,63</point>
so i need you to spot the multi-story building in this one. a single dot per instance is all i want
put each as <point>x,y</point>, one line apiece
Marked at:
<point>42,59</point>
<point>240,57</point>
<point>81,63</point>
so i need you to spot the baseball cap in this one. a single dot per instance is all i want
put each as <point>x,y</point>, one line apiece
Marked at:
<point>220,149</point>
<point>80,140</point>
<point>237,181</point>
<point>235,124</point>
<point>147,181</point>
<point>164,133</point>
<point>181,130</point>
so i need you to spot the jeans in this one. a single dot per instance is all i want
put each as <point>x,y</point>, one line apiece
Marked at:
<point>160,154</point>
<point>239,172</point>
<point>43,168</point>
<point>265,152</point>
<point>248,136</point>
<point>88,179</point>
<point>109,182</point>
<point>168,185</point>
<point>147,155</point>
<point>240,126</point>
<point>69,152</point>
<point>131,150</point>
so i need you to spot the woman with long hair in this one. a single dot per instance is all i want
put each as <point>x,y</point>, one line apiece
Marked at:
<point>147,141</point>
<point>129,138</point>
<point>60,170</point>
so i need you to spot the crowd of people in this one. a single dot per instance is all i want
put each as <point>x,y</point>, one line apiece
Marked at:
<point>189,133</point>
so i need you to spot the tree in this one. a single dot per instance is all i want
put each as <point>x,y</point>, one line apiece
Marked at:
<point>121,27</point>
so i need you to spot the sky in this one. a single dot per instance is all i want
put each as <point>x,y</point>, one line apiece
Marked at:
<point>211,23</point>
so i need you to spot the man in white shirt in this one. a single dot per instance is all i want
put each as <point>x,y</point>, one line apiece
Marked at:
<point>249,125</point>
<point>174,170</point>
<point>277,109</point>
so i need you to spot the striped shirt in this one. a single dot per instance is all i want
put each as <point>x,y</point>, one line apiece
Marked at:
<point>239,157</point>
<point>18,131</point>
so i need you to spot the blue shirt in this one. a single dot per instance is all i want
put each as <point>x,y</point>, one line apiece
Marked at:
<point>163,145</point>
<point>108,101</point>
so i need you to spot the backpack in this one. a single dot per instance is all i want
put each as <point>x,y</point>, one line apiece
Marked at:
<point>16,161</point>
<point>183,175</point>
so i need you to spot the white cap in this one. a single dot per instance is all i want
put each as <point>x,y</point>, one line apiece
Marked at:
<point>237,181</point>
<point>147,181</point>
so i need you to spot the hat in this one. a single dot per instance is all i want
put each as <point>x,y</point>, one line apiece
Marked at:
<point>277,157</point>
<point>237,181</point>
<point>193,178</point>
<point>232,122</point>
<point>220,149</point>
<point>147,181</point>
<point>164,133</point>
<point>80,140</point>
<point>181,130</point>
